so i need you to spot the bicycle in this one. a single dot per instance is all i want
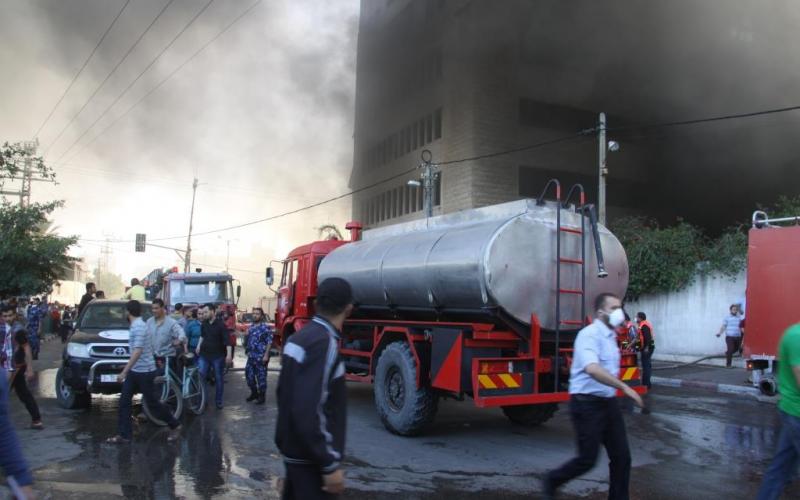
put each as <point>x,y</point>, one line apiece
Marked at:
<point>175,390</point>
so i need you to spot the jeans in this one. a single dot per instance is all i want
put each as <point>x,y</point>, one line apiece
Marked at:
<point>141,382</point>
<point>597,421</point>
<point>203,365</point>
<point>787,457</point>
<point>647,366</point>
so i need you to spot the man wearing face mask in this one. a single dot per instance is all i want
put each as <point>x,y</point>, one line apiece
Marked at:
<point>593,405</point>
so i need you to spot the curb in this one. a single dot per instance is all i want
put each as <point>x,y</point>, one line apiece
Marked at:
<point>708,386</point>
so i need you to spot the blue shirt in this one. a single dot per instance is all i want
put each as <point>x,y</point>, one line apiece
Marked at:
<point>141,338</point>
<point>11,459</point>
<point>596,343</point>
<point>259,336</point>
<point>192,330</point>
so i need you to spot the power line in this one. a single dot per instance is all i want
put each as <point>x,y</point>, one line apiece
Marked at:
<point>365,188</point>
<point>703,120</point>
<point>97,89</point>
<point>159,85</point>
<point>85,63</point>
<point>119,97</point>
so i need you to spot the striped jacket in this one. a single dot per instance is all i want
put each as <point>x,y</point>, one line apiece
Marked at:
<point>312,399</point>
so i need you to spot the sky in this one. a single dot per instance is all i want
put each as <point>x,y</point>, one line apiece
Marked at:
<point>263,116</point>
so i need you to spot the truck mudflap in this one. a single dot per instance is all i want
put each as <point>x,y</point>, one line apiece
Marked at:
<point>512,381</point>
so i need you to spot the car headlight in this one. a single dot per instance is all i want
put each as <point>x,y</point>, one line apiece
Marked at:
<point>76,350</point>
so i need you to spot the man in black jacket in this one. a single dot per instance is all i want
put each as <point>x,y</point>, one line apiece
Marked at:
<point>312,399</point>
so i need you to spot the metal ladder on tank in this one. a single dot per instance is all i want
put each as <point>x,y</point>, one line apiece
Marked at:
<point>581,208</point>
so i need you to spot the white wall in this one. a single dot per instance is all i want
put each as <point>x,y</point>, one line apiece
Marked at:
<point>686,322</point>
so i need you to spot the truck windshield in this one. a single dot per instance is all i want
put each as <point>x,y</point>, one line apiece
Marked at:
<point>198,293</point>
<point>109,316</point>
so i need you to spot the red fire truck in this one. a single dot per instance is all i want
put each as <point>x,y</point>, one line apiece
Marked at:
<point>483,303</point>
<point>773,288</point>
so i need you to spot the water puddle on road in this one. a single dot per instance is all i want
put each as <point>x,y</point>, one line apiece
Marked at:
<point>729,441</point>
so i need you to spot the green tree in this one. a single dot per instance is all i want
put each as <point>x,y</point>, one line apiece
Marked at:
<point>32,257</point>
<point>668,259</point>
<point>31,260</point>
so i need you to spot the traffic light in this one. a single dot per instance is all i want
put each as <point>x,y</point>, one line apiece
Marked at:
<point>141,242</point>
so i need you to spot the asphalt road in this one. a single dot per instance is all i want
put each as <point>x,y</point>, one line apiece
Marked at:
<point>693,445</point>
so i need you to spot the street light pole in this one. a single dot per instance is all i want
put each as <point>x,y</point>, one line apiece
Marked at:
<point>603,170</point>
<point>187,261</point>
<point>227,255</point>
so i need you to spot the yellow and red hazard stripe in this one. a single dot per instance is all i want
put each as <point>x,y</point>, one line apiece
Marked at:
<point>500,381</point>
<point>629,373</point>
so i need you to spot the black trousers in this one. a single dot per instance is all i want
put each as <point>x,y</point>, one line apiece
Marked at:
<point>733,345</point>
<point>597,421</point>
<point>647,365</point>
<point>20,386</point>
<point>304,482</point>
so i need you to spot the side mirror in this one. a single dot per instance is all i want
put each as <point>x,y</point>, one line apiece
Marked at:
<point>238,291</point>
<point>270,276</point>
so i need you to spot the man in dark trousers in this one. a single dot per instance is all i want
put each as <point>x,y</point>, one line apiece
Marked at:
<point>214,349</point>
<point>312,399</point>
<point>647,344</point>
<point>596,416</point>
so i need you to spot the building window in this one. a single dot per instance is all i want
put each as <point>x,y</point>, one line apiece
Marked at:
<point>437,124</point>
<point>437,190</point>
<point>414,135</point>
<point>394,203</point>
<point>421,132</point>
<point>429,129</point>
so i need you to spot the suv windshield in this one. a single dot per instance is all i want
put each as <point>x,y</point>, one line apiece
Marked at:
<point>198,293</point>
<point>109,316</point>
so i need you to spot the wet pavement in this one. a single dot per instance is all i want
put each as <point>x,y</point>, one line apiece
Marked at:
<point>694,444</point>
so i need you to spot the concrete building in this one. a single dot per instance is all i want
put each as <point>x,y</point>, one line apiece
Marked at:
<point>471,78</point>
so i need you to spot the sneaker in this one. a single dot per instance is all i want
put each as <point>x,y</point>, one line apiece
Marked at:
<point>219,406</point>
<point>262,398</point>
<point>253,396</point>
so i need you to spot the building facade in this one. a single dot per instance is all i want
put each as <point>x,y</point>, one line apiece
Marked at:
<point>469,79</point>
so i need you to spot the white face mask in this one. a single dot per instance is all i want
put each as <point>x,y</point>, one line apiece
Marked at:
<point>616,318</point>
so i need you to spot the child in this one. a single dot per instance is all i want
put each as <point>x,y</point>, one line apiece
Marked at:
<point>22,374</point>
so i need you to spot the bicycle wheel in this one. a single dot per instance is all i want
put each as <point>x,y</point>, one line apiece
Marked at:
<point>195,393</point>
<point>170,395</point>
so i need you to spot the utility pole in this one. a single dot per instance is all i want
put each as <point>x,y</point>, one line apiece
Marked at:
<point>187,260</point>
<point>603,170</point>
<point>227,255</point>
<point>429,174</point>
<point>27,179</point>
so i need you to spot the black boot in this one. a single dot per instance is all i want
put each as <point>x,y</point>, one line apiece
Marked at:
<point>262,398</point>
<point>253,395</point>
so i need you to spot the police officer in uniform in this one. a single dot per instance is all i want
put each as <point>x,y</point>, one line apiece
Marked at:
<point>256,346</point>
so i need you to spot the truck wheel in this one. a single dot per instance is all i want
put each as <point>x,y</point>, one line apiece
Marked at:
<point>67,397</point>
<point>404,409</point>
<point>530,415</point>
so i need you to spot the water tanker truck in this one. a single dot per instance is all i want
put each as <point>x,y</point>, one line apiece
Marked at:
<point>483,303</point>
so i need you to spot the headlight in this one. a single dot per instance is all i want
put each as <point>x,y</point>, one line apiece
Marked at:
<point>76,350</point>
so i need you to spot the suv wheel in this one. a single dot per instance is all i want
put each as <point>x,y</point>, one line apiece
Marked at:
<point>68,397</point>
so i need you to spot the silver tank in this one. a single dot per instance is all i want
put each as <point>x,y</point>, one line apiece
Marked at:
<point>486,260</point>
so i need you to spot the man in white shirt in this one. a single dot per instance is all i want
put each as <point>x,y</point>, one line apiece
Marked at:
<point>593,405</point>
